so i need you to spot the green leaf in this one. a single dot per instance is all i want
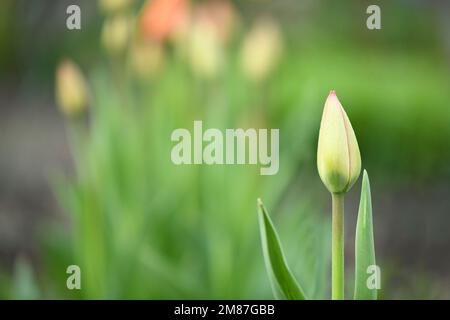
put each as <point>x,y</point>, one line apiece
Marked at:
<point>284,285</point>
<point>25,286</point>
<point>364,247</point>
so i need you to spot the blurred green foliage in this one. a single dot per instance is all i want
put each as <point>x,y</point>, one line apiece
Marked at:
<point>142,227</point>
<point>145,228</point>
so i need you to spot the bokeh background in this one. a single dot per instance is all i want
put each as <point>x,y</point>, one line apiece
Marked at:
<point>95,186</point>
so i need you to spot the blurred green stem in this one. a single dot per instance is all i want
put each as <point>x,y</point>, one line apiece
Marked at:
<point>337,254</point>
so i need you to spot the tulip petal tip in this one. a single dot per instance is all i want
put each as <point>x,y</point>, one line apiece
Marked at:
<point>259,202</point>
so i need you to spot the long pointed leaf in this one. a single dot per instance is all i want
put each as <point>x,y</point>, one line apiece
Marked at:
<point>364,245</point>
<point>284,285</point>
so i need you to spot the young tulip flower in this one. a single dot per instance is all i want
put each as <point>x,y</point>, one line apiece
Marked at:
<point>339,164</point>
<point>114,6</point>
<point>147,58</point>
<point>116,33</point>
<point>71,89</point>
<point>205,52</point>
<point>261,50</point>
<point>338,157</point>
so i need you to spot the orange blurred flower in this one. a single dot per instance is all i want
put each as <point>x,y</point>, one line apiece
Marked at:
<point>162,19</point>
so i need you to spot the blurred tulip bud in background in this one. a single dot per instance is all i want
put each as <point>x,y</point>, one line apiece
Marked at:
<point>338,157</point>
<point>113,6</point>
<point>147,58</point>
<point>221,17</point>
<point>71,89</point>
<point>261,50</point>
<point>164,19</point>
<point>116,33</point>
<point>205,52</point>
<point>210,29</point>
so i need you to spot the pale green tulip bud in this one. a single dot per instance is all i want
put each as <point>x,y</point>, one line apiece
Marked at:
<point>338,157</point>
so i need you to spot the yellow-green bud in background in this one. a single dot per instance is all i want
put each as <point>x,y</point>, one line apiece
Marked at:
<point>262,49</point>
<point>205,52</point>
<point>116,33</point>
<point>113,6</point>
<point>338,157</point>
<point>71,89</point>
<point>147,58</point>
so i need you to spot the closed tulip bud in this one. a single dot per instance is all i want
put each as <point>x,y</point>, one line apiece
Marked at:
<point>261,50</point>
<point>221,16</point>
<point>113,6</point>
<point>147,58</point>
<point>205,51</point>
<point>71,90</point>
<point>338,157</point>
<point>116,33</point>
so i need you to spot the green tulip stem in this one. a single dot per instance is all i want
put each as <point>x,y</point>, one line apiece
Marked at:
<point>337,247</point>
